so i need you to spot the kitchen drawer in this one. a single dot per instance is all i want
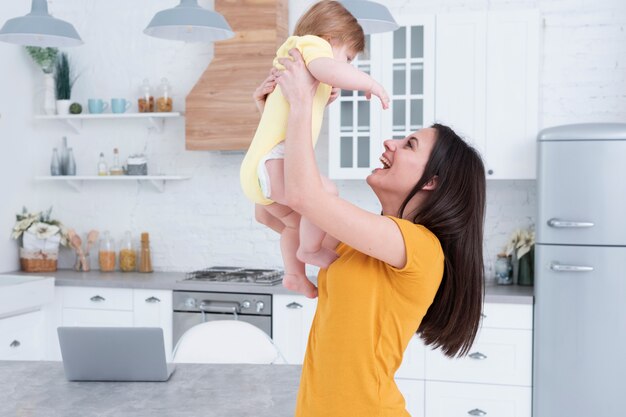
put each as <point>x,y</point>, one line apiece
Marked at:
<point>412,366</point>
<point>95,318</point>
<point>98,298</point>
<point>498,356</point>
<point>507,316</point>
<point>20,337</point>
<point>446,399</point>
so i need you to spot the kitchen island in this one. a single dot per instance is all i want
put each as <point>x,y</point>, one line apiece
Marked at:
<point>39,389</point>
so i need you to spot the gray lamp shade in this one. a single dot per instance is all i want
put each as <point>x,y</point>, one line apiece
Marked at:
<point>373,17</point>
<point>38,28</point>
<point>190,23</point>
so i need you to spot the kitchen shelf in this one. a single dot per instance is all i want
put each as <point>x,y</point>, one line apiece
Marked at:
<point>155,121</point>
<point>76,181</point>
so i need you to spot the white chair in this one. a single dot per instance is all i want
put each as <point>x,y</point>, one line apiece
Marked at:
<point>226,341</point>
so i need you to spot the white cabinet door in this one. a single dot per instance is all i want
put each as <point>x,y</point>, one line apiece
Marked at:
<point>444,399</point>
<point>21,337</point>
<point>512,94</point>
<point>413,392</point>
<point>412,366</point>
<point>292,317</point>
<point>98,298</point>
<point>153,308</point>
<point>461,75</point>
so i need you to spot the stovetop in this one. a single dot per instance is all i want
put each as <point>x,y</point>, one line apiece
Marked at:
<point>236,275</point>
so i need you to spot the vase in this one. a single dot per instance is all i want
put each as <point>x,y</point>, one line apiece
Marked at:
<point>49,105</point>
<point>63,107</point>
<point>526,268</point>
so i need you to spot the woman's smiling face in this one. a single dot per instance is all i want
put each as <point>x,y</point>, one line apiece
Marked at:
<point>404,161</point>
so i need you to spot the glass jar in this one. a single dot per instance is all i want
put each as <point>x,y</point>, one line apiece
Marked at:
<point>106,254</point>
<point>503,269</point>
<point>164,102</point>
<point>145,103</point>
<point>83,262</point>
<point>128,256</point>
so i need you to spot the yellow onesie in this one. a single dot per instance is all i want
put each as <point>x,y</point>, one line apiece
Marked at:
<point>273,125</point>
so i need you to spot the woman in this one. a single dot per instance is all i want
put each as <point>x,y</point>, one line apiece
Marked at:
<point>416,268</point>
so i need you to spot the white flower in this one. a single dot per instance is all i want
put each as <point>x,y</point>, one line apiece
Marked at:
<point>43,230</point>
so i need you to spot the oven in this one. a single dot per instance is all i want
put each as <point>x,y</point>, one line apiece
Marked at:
<point>192,307</point>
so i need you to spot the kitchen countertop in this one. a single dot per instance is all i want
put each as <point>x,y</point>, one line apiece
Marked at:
<point>39,389</point>
<point>508,294</point>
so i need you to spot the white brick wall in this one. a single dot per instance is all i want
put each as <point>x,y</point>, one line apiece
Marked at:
<point>206,220</point>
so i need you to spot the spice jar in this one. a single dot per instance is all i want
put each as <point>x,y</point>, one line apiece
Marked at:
<point>145,103</point>
<point>164,102</point>
<point>128,256</point>
<point>106,254</point>
<point>145,263</point>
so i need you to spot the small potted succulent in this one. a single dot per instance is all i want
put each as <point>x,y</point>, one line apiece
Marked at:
<point>40,238</point>
<point>64,84</point>
<point>45,58</point>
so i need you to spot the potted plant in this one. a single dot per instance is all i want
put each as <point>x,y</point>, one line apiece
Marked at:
<point>40,239</point>
<point>64,84</point>
<point>45,58</point>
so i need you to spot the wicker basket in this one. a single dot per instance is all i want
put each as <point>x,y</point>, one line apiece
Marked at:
<point>38,261</point>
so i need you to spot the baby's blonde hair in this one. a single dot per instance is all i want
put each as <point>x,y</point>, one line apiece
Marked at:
<point>330,20</point>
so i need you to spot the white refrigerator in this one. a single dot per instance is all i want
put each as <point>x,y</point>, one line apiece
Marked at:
<point>579,348</point>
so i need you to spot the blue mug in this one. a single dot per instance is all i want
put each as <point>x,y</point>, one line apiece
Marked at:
<point>119,105</point>
<point>96,105</point>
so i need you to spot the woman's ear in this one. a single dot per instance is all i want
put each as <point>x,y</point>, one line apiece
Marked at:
<point>431,184</point>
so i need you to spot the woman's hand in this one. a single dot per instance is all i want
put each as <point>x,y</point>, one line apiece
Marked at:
<point>296,82</point>
<point>264,89</point>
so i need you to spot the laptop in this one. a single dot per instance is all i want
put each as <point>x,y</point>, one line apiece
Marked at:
<point>114,354</point>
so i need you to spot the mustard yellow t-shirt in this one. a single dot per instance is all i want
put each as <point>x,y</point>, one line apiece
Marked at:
<point>366,314</point>
<point>273,125</point>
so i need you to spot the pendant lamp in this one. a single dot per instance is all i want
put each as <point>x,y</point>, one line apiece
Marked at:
<point>373,17</point>
<point>39,28</point>
<point>190,23</point>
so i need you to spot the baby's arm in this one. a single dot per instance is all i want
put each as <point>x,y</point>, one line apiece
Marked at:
<point>347,77</point>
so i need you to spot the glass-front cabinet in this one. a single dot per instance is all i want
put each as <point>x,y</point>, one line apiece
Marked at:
<point>403,62</point>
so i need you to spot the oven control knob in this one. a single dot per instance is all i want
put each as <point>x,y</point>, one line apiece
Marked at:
<point>245,304</point>
<point>190,302</point>
<point>259,306</point>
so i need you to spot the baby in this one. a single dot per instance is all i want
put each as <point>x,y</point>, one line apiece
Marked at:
<point>328,37</point>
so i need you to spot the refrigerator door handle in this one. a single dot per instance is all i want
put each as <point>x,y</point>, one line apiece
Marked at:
<point>558,223</point>
<point>557,267</point>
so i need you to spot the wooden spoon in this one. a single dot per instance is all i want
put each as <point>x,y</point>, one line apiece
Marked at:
<point>92,237</point>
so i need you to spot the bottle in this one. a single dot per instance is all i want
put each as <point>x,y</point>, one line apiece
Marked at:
<point>128,256</point>
<point>164,102</point>
<point>145,103</point>
<point>145,263</point>
<point>63,156</point>
<point>71,164</point>
<point>106,254</point>
<point>55,164</point>
<point>116,168</point>
<point>103,169</point>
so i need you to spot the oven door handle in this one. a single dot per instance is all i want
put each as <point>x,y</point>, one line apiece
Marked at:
<point>209,306</point>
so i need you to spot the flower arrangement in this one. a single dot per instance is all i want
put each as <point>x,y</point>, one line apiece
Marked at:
<point>521,243</point>
<point>39,226</point>
<point>44,57</point>
<point>521,248</point>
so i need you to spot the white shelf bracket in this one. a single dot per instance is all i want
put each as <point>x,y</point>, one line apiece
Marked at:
<point>158,184</point>
<point>77,185</point>
<point>156,123</point>
<point>75,125</point>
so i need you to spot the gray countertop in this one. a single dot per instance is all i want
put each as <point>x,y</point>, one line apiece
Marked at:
<point>39,389</point>
<point>510,294</point>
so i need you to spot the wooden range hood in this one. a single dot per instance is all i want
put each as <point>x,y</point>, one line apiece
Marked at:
<point>220,112</point>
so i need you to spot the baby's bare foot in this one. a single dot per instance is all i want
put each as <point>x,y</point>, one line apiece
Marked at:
<point>322,258</point>
<point>300,284</point>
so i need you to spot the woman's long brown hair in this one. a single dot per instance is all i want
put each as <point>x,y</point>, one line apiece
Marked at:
<point>454,212</point>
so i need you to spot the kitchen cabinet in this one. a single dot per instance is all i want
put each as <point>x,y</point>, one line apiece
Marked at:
<point>110,307</point>
<point>292,317</point>
<point>21,337</point>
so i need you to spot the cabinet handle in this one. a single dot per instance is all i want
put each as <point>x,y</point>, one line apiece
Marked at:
<point>15,343</point>
<point>557,267</point>
<point>294,305</point>
<point>490,172</point>
<point>483,315</point>
<point>97,299</point>
<point>558,223</point>
<point>477,412</point>
<point>152,300</point>
<point>478,356</point>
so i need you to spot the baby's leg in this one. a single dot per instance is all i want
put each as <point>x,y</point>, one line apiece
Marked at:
<point>295,278</point>
<point>263,216</point>
<point>311,250</point>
